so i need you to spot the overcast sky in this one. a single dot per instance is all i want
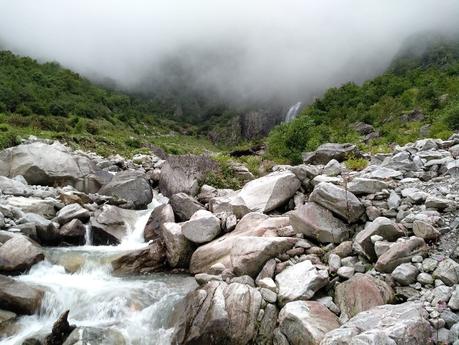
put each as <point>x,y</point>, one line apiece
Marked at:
<point>243,49</point>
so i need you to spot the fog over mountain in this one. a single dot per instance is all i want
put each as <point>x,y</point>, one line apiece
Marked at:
<point>238,50</point>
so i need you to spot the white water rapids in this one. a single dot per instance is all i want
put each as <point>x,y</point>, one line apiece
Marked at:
<point>138,307</point>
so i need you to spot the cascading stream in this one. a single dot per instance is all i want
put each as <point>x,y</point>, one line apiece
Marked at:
<point>79,279</point>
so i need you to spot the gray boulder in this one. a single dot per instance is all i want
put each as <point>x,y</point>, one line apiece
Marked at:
<point>425,230</point>
<point>202,227</point>
<point>19,297</point>
<point>110,224</point>
<point>218,313</point>
<point>70,212</point>
<point>405,274</point>
<point>12,187</point>
<point>18,254</point>
<point>341,202</point>
<point>306,322</point>
<point>447,271</point>
<point>93,335</point>
<point>269,192</point>
<point>36,162</point>
<point>399,253</point>
<point>141,261</point>
<point>361,185</point>
<point>160,215</point>
<point>300,282</point>
<point>318,223</point>
<point>184,206</point>
<point>130,186</point>
<point>178,248</point>
<point>329,151</point>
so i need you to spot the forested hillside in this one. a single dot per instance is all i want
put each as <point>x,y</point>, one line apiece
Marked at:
<point>417,96</point>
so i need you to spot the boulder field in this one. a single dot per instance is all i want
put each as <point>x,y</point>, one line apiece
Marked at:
<point>312,254</point>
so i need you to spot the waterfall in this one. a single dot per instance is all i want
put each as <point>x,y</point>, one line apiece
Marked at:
<point>292,112</point>
<point>88,235</point>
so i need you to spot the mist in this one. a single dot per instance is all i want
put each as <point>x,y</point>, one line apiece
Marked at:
<point>239,51</point>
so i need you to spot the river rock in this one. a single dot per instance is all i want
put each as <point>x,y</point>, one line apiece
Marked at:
<point>300,282</point>
<point>231,203</point>
<point>447,271</point>
<point>386,324</point>
<point>130,186</point>
<point>399,253</point>
<point>36,162</point>
<point>360,293</point>
<point>405,274</point>
<point>253,225</point>
<point>19,297</point>
<point>425,230</point>
<point>183,173</point>
<point>60,331</point>
<point>43,207</point>
<point>73,232</point>
<point>72,211</point>
<point>339,201</point>
<point>361,185</point>
<point>318,223</point>
<point>202,227</point>
<point>13,187</point>
<point>160,215</point>
<point>184,206</point>
<point>218,313</point>
<point>46,231</point>
<point>306,322</point>
<point>178,248</point>
<point>329,151</point>
<point>269,192</point>
<point>18,254</point>
<point>93,335</point>
<point>381,226</point>
<point>110,224</point>
<point>141,261</point>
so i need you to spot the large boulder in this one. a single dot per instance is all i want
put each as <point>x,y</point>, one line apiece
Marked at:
<point>184,206</point>
<point>93,335</point>
<point>401,324</point>
<point>360,293</point>
<point>160,215</point>
<point>13,187</point>
<point>399,253</point>
<point>202,227</point>
<point>43,207</point>
<point>318,223</point>
<point>447,271</point>
<point>70,212</point>
<point>361,185</point>
<point>341,202</point>
<point>306,322</point>
<point>178,248</point>
<point>141,261</point>
<point>381,226</point>
<point>327,152</point>
<point>224,249</point>
<point>300,282</point>
<point>230,203</point>
<point>18,254</point>
<point>269,192</point>
<point>19,297</point>
<point>37,163</point>
<point>218,313</point>
<point>183,173</point>
<point>60,331</point>
<point>110,224</point>
<point>131,186</point>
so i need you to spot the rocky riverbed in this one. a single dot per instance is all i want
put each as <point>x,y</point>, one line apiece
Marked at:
<point>308,254</point>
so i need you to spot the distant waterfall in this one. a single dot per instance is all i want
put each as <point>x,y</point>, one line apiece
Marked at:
<point>292,112</point>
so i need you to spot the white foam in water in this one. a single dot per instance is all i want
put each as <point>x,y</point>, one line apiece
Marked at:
<point>138,307</point>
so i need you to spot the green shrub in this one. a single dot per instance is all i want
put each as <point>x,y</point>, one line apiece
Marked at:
<point>354,163</point>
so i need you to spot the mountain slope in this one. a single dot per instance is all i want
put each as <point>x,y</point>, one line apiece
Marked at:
<point>418,95</point>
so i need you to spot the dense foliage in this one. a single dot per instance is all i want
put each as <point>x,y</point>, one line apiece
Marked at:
<point>426,83</point>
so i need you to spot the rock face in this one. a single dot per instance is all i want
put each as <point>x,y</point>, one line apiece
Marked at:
<point>361,292</point>
<point>18,254</point>
<point>93,335</point>
<point>269,192</point>
<point>318,223</point>
<point>300,282</point>
<point>160,215</point>
<point>37,163</point>
<point>178,248</point>
<point>183,173</point>
<point>306,323</point>
<point>341,202</point>
<point>131,186</point>
<point>399,253</point>
<point>329,151</point>
<point>202,227</point>
<point>387,324</point>
<point>218,313</point>
<point>381,226</point>
<point>142,261</point>
<point>18,297</point>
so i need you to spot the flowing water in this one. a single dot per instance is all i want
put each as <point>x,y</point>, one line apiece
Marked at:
<point>79,279</point>
<point>292,112</point>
